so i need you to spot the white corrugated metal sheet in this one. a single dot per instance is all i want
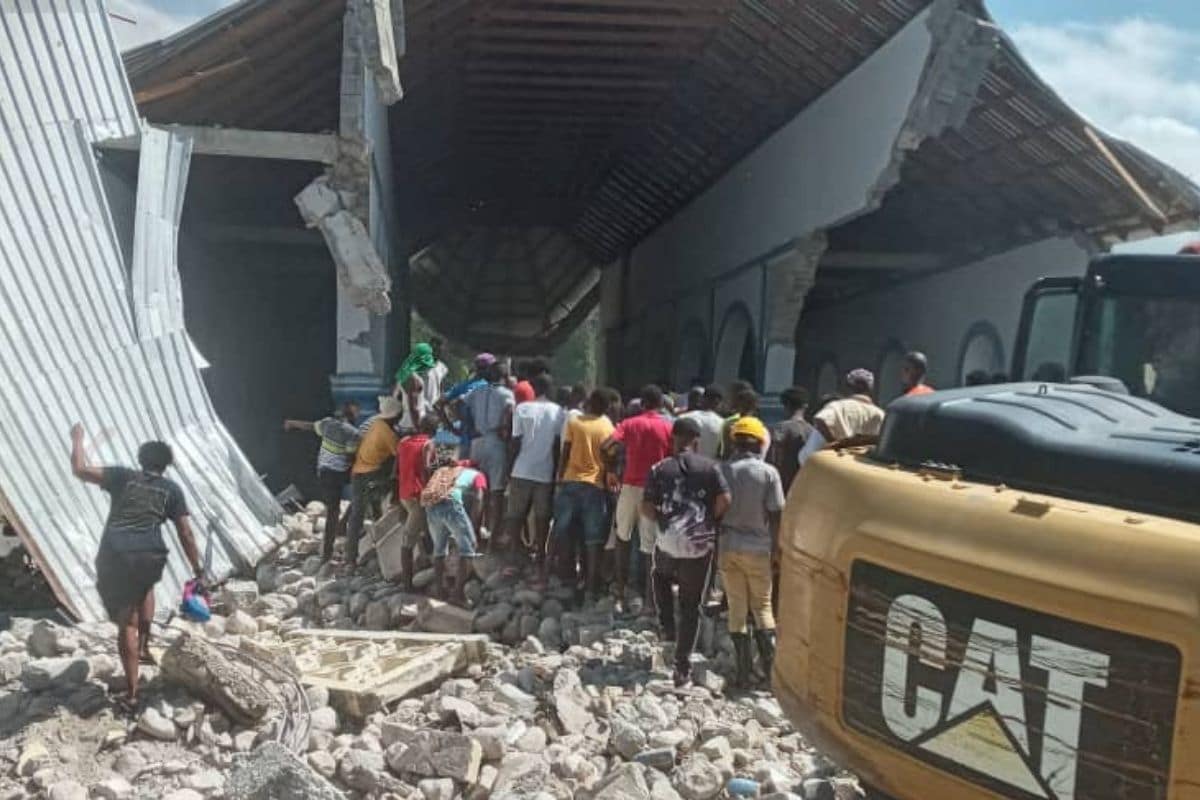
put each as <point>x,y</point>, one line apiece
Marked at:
<point>162,182</point>
<point>69,343</point>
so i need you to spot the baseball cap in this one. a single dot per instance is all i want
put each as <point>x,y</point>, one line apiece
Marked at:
<point>750,426</point>
<point>484,360</point>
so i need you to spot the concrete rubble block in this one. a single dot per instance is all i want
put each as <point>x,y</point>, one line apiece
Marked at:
<point>47,640</point>
<point>514,698</point>
<point>493,741</point>
<point>626,738</point>
<point>434,616</point>
<point>209,674</point>
<point>482,789</point>
<point>436,789</point>
<point>625,782</point>
<point>33,758</point>
<point>240,623</point>
<point>571,702</point>
<point>366,671</point>
<point>156,725</point>
<point>272,773</point>
<point>492,619</point>
<point>520,775</point>
<point>114,788</point>
<point>54,673</point>
<point>323,762</point>
<point>238,595</point>
<point>11,666</point>
<point>660,758</point>
<point>437,754</point>
<point>362,770</point>
<point>698,779</point>
<point>67,790</point>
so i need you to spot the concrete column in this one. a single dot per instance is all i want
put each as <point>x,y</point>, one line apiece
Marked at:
<point>361,336</point>
<point>789,277</point>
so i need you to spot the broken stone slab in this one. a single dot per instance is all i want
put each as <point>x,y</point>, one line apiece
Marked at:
<point>437,754</point>
<point>273,773</point>
<point>54,673</point>
<point>514,698</point>
<point>492,619</point>
<point>434,616</point>
<point>520,775</point>
<point>571,702</point>
<point>157,726</point>
<point>207,673</point>
<point>366,671</point>
<point>624,782</point>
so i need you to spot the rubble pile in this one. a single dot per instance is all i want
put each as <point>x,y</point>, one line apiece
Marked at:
<point>22,585</point>
<point>562,702</point>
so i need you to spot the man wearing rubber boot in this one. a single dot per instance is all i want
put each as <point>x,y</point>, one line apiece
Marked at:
<point>685,496</point>
<point>748,543</point>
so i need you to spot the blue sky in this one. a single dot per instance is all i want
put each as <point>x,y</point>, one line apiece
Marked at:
<point>1130,66</point>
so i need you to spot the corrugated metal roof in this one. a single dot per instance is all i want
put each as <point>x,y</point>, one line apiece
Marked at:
<point>68,347</point>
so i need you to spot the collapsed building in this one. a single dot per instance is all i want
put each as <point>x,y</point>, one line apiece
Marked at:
<point>772,191</point>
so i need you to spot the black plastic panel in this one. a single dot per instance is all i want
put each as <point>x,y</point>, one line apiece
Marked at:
<point>1064,440</point>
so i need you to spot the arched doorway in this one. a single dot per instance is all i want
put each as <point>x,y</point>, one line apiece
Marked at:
<point>736,347</point>
<point>828,380</point>
<point>888,383</point>
<point>982,354</point>
<point>692,363</point>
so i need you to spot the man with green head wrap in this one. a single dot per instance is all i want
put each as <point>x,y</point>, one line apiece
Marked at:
<point>418,362</point>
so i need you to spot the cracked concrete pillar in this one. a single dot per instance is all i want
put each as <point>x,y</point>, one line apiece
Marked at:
<point>789,276</point>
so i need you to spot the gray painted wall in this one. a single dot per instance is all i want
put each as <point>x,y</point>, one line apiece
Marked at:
<point>706,263</point>
<point>933,315</point>
<point>265,318</point>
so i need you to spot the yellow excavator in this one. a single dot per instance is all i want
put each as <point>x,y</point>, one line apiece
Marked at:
<point>1002,598</point>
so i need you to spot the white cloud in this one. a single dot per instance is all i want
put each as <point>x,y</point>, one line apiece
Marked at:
<point>149,23</point>
<point>1134,78</point>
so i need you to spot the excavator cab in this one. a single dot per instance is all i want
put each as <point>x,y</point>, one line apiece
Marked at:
<point>1002,599</point>
<point>1135,319</point>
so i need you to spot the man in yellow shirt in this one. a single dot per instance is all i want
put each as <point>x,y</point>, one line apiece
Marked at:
<point>372,470</point>
<point>582,495</point>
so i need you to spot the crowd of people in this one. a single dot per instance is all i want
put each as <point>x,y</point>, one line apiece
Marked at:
<point>671,503</point>
<point>684,497</point>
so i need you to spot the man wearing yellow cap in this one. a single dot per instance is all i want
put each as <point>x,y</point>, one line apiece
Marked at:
<point>748,542</point>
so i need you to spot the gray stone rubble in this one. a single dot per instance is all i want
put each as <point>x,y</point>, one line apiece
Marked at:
<point>570,703</point>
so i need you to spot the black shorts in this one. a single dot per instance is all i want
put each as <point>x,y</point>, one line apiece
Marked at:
<point>127,570</point>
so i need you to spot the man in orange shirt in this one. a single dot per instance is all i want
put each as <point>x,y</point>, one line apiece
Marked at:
<point>372,471</point>
<point>912,374</point>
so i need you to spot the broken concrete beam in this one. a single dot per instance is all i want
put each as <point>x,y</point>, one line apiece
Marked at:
<point>435,616</point>
<point>361,272</point>
<point>206,672</point>
<point>273,773</point>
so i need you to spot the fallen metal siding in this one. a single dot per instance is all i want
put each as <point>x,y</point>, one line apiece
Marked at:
<point>62,64</point>
<point>162,182</point>
<point>69,346</point>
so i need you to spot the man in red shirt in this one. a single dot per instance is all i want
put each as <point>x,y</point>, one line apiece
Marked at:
<point>646,438</point>
<point>912,374</point>
<point>414,463</point>
<point>526,371</point>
